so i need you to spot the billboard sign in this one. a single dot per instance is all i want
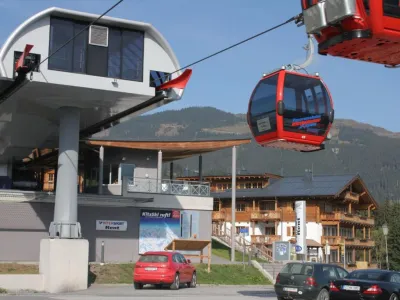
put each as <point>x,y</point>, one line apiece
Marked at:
<point>301,234</point>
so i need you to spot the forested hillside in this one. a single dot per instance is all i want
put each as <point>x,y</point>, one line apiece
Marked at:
<point>355,148</point>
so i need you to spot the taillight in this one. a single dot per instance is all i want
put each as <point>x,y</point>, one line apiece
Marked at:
<point>311,281</point>
<point>373,290</point>
<point>333,287</point>
<point>278,279</point>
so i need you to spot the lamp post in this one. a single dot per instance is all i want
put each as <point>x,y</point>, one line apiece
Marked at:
<point>385,230</point>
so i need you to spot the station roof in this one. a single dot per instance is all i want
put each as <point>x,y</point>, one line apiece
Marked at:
<point>172,150</point>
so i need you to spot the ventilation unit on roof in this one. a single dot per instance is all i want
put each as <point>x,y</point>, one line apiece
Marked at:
<point>98,36</point>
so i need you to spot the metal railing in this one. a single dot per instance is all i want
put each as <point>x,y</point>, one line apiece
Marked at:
<point>166,186</point>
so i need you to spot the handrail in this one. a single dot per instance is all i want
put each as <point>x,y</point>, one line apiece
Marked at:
<point>167,186</point>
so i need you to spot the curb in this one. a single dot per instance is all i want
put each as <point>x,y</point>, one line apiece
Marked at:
<point>198,284</point>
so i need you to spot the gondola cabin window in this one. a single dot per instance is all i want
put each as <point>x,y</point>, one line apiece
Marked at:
<point>306,105</point>
<point>263,106</point>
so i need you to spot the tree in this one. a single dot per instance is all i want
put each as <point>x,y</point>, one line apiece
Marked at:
<point>389,213</point>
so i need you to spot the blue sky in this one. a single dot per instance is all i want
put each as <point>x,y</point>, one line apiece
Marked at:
<point>198,28</point>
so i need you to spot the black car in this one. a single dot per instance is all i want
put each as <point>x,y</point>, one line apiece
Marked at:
<point>367,284</point>
<point>305,280</point>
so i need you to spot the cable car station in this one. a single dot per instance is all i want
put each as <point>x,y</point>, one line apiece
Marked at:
<point>63,78</point>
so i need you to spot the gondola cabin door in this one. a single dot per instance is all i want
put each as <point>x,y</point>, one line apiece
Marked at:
<point>290,110</point>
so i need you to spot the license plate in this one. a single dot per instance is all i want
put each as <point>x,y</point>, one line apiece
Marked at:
<point>350,288</point>
<point>151,269</point>
<point>288,289</point>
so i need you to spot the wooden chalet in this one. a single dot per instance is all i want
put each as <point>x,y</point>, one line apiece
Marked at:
<point>339,212</point>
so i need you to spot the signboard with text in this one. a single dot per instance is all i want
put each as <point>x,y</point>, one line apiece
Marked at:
<point>109,225</point>
<point>300,225</point>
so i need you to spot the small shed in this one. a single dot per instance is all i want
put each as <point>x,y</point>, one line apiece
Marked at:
<point>192,245</point>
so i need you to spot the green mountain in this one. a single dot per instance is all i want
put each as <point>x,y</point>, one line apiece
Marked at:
<point>355,148</point>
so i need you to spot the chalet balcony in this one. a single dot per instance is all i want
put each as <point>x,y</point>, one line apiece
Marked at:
<point>347,218</point>
<point>351,242</point>
<point>218,215</point>
<point>265,239</point>
<point>170,187</point>
<point>265,215</point>
<point>352,197</point>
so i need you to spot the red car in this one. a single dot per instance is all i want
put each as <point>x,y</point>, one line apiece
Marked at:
<point>164,268</point>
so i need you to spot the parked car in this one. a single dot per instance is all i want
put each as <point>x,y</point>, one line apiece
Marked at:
<point>164,268</point>
<point>307,280</point>
<point>367,284</point>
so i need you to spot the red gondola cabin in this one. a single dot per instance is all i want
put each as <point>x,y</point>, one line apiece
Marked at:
<point>366,30</point>
<point>290,110</point>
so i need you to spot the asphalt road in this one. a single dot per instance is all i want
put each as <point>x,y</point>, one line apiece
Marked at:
<point>127,292</point>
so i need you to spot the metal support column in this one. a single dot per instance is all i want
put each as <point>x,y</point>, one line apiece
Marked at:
<point>171,170</point>
<point>159,171</point>
<point>101,169</point>
<point>65,224</point>
<point>200,168</point>
<point>233,218</point>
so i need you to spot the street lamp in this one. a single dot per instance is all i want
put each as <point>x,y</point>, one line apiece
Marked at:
<point>385,230</point>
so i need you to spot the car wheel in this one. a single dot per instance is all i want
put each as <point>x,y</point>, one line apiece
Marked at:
<point>323,295</point>
<point>193,282</point>
<point>393,297</point>
<point>175,285</point>
<point>138,286</point>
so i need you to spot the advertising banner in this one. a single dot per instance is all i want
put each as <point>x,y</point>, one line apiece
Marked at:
<point>300,225</point>
<point>158,228</point>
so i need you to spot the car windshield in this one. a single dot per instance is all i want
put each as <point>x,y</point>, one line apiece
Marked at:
<point>367,275</point>
<point>154,258</point>
<point>298,269</point>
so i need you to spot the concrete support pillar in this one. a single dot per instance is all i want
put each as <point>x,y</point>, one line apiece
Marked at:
<point>64,257</point>
<point>101,169</point>
<point>233,218</point>
<point>200,168</point>
<point>65,223</point>
<point>159,170</point>
<point>119,174</point>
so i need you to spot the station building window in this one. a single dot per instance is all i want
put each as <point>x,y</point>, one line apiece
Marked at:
<point>122,58</point>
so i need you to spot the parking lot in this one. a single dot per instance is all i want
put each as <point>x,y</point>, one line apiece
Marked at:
<point>127,292</point>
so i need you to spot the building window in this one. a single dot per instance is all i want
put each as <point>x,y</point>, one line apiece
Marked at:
<point>122,59</point>
<point>330,230</point>
<point>248,185</point>
<point>241,206</point>
<point>51,177</point>
<point>216,205</point>
<point>267,205</point>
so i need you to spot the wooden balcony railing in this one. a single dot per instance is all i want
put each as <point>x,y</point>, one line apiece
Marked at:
<point>247,215</point>
<point>218,215</point>
<point>352,197</point>
<point>355,242</point>
<point>265,215</point>
<point>265,239</point>
<point>347,218</point>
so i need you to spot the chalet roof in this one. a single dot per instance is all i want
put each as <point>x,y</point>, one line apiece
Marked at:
<point>296,186</point>
<point>302,187</point>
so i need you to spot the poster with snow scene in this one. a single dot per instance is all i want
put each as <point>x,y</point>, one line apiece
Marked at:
<point>159,227</point>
